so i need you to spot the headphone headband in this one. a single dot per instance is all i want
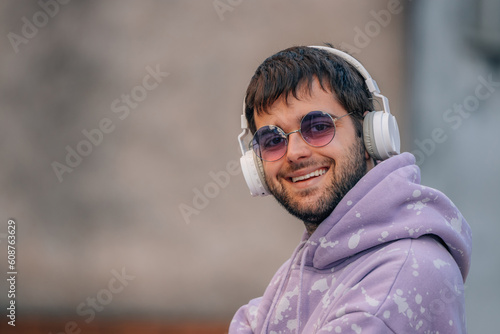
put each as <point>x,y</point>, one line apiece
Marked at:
<point>370,82</point>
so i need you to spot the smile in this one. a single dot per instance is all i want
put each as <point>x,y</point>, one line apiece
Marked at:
<point>318,172</point>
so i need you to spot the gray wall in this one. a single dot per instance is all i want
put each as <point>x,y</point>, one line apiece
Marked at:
<point>450,63</point>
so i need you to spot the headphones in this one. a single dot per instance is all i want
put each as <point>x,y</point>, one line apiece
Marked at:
<point>380,132</point>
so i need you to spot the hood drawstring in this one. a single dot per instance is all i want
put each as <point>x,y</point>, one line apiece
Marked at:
<point>281,287</point>
<point>299,299</point>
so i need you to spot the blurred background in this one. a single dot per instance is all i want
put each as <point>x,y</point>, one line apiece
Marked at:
<point>118,127</point>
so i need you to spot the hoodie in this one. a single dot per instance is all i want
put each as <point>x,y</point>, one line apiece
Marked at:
<point>392,257</point>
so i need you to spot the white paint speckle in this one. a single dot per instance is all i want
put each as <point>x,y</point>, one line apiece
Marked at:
<point>354,239</point>
<point>419,205</point>
<point>418,299</point>
<point>338,290</point>
<point>291,324</point>
<point>341,311</point>
<point>338,329</point>
<point>456,223</point>
<point>371,301</point>
<point>349,203</point>
<point>387,314</point>
<point>400,302</point>
<point>320,285</point>
<point>417,193</point>
<point>325,243</point>
<point>326,300</point>
<point>284,304</point>
<point>438,263</point>
<point>253,312</point>
<point>356,328</point>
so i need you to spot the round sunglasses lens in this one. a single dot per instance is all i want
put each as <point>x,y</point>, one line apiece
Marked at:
<point>269,143</point>
<point>317,128</point>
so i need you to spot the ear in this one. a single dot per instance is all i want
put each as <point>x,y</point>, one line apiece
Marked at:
<point>370,162</point>
<point>367,156</point>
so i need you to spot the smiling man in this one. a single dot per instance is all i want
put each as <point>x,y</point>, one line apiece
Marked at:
<point>380,252</point>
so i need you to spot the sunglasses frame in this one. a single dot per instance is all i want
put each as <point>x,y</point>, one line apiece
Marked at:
<point>299,130</point>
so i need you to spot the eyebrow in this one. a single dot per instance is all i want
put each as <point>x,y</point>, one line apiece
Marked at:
<point>299,118</point>
<point>335,116</point>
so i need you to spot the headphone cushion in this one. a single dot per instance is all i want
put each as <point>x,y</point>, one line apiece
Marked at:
<point>381,135</point>
<point>260,169</point>
<point>368,135</point>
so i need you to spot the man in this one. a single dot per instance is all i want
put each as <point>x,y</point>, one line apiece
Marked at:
<point>381,253</point>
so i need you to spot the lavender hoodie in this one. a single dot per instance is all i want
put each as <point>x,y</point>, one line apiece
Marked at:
<point>391,258</point>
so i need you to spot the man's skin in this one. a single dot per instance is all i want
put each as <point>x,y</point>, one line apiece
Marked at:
<point>339,158</point>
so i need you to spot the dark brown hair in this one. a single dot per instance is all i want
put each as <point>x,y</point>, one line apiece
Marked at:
<point>289,70</point>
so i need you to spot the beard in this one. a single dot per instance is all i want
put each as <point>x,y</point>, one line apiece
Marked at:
<point>344,175</point>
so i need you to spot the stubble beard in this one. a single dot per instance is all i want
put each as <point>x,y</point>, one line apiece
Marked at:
<point>343,178</point>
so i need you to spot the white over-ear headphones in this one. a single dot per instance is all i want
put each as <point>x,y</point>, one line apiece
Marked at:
<point>380,132</point>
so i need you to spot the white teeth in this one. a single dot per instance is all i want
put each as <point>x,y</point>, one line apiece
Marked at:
<point>305,177</point>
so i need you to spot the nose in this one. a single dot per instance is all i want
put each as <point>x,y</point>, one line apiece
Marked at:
<point>297,148</point>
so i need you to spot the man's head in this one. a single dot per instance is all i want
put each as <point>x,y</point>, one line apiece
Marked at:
<point>310,181</point>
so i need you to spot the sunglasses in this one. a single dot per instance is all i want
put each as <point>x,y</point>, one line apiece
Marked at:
<point>317,128</point>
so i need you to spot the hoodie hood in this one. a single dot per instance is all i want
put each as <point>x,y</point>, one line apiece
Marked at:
<point>388,204</point>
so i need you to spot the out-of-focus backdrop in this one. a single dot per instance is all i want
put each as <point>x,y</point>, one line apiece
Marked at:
<point>119,159</point>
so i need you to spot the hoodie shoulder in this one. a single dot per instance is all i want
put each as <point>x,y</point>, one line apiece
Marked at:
<point>427,293</point>
<point>410,285</point>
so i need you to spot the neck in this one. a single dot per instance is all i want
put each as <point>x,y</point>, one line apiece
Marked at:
<point>311,227</point>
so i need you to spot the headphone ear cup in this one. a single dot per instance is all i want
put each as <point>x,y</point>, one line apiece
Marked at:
<point>253,172</point>
<point>368,135</point>
<point>381,135</point>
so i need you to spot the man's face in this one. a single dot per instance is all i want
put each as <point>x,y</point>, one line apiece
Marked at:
<point>340,164</point>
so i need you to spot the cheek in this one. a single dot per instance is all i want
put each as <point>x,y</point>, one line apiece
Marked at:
<point>342,143</point>
<point>338,152</point>
<point>271,168</point>
<point>334,150</point>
